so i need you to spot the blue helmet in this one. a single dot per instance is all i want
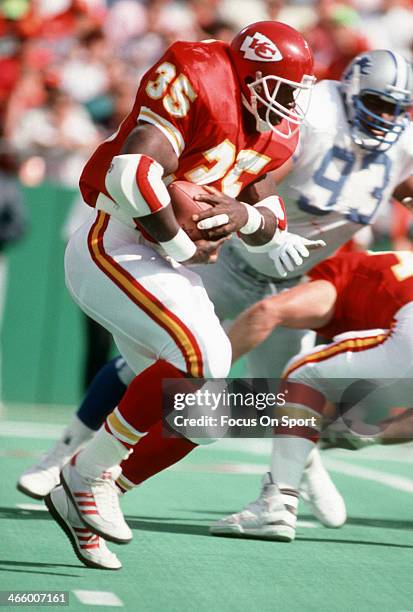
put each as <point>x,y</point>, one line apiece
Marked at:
<point>373,80</point>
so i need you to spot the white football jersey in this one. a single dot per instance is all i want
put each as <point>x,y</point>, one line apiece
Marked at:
<point>335,187</point>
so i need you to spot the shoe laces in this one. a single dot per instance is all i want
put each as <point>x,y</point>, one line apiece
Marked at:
<point>105,488</point>
<point>258,504</point>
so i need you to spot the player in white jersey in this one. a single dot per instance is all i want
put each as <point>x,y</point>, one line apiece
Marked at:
<point>334,186</point>
<point>355,153</point>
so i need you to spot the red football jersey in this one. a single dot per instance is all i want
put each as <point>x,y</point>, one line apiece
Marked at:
<point>192,95</point>
<point>371,287</point>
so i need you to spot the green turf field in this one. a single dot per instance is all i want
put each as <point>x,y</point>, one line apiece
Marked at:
<point>173,565</point>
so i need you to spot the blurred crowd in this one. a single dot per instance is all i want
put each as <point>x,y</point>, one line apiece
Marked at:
<point>69,68</point>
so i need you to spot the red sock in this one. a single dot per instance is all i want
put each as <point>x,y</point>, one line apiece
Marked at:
<point>151,455</point>
<point>141,406</point>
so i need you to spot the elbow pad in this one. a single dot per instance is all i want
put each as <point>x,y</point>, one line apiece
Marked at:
<point>134,182</point>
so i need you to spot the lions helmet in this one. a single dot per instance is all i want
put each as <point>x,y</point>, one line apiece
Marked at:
<point>380,81</point>
<point>266,55</point>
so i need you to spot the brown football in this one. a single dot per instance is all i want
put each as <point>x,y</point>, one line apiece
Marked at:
<point>182,193</point>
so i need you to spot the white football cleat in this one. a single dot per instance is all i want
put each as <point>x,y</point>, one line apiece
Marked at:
<point>320,493</point>
<point>97,504</point>
<point>89,548</point>
<point>39,479</point>
<point>271,516</point>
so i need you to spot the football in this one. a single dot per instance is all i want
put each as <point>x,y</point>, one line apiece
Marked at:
<point>182,193</point>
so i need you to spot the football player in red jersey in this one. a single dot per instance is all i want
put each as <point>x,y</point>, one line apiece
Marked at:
<point>217,115</point>
<point>363,302</point>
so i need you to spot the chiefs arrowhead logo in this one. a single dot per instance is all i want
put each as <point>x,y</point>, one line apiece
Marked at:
<point>259,48</point>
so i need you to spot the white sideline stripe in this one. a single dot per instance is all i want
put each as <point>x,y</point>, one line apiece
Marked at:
<point>37,507</point>
<point>308,524</point>
<point>401,453</point>
<point>400,483</point>
<point>221,468</point>
<point>395,482</point>
<point>262,447</point>
<point>98,598</point>
<point>27,429</point>
<point>254,446</point>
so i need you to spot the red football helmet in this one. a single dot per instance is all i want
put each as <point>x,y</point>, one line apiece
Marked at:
<point>267,54</point>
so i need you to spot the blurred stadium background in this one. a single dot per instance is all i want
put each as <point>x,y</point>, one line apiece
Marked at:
<point>68,74</point>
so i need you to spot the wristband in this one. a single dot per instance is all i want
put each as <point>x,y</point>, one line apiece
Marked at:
<point>254,221</point>
<point>276,240</point>
<point>275,204</point>
<point>180,247</point>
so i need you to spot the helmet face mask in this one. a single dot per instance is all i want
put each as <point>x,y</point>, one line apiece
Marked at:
<point>377,88</point>
<point>269,111</point>
<point>275,70</point>
<point>385,132</point>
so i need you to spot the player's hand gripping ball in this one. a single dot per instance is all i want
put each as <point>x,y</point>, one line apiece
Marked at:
<point>182,194</point>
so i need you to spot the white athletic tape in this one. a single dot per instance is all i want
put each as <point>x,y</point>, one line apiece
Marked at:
<point>212,222</point>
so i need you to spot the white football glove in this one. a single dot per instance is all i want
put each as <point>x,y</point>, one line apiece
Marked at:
<point>292,251</point>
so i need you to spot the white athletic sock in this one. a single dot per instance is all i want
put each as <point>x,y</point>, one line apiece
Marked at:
<point>74,436</point>
<point>100,455</point>
<point>288,460</point>
<point>76,433</point>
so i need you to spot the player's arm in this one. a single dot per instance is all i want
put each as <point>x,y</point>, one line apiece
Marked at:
<point>308,306</point>
<point>398,429</point>
<point>260,219</point>
<point>134,181</point>
<point>287,250</point>
<point>394,430</point>
<point>404,193</point>
<point>280,173</point>
<point>257,215</point>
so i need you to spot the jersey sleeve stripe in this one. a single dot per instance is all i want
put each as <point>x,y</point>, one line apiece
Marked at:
<point>167,128</point>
